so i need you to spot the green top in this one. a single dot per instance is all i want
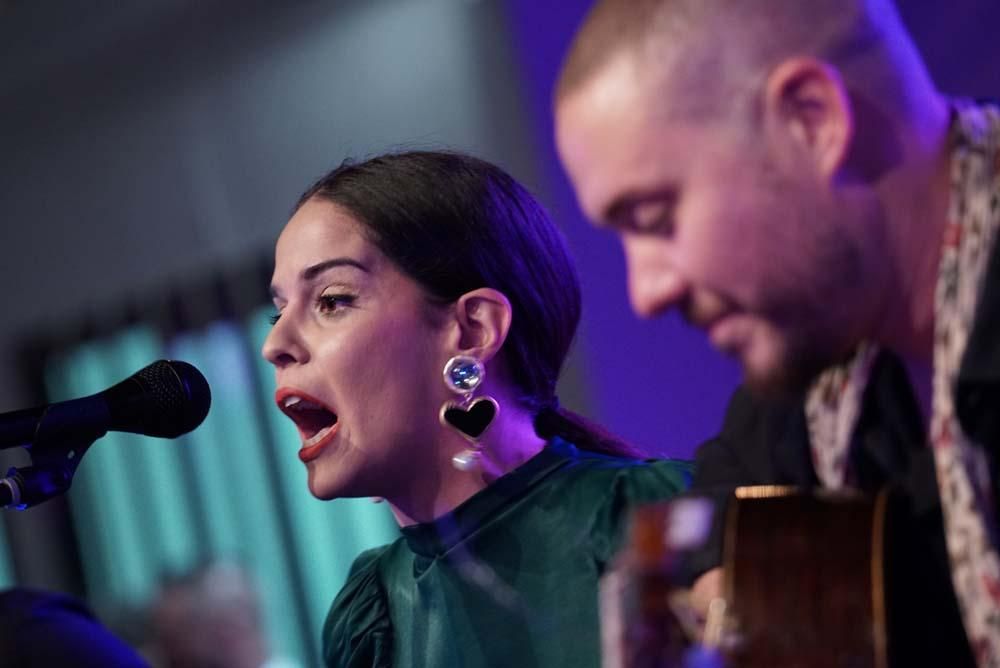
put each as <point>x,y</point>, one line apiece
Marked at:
<point>509,578</point>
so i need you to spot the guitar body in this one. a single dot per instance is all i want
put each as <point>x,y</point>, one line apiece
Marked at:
<point>805,579</point>
<point>804,585</point>
<point>812,579</point>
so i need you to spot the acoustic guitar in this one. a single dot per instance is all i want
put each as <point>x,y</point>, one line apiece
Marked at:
<point>804,585</point>
<point>832,613</point>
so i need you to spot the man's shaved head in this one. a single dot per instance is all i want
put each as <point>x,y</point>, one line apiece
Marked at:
<point>714,54</point>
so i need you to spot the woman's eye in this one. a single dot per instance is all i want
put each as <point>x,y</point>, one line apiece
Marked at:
<point>331,303</point>
<point>273,318</point>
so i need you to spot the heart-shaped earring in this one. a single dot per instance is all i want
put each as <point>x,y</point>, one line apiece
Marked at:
<point>472,420</point>
<point>462,375</point>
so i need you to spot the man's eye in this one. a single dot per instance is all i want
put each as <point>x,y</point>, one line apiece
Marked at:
<point>655,220</point>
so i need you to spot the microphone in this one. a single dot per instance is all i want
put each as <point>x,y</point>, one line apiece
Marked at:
<point>165,399</point>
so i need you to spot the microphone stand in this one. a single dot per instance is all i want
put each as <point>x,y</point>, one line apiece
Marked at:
<point>56,447</point>
<point>50,474</point>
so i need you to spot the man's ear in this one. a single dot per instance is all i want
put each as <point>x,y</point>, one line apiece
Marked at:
<point>482,320</point>
<point>808,100</point>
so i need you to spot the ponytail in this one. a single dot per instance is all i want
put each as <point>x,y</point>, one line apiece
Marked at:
<point>553,421</point>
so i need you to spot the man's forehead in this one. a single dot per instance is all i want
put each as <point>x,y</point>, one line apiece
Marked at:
<point>613,139</point>
<point>618,79</point>
<point>596,129</point>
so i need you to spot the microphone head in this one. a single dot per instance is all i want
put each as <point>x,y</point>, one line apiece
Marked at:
<point>166,399</point>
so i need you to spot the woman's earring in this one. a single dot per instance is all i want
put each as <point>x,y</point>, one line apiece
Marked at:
<point>470,418</point>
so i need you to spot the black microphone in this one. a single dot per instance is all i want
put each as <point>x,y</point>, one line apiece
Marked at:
<point>165,399</point>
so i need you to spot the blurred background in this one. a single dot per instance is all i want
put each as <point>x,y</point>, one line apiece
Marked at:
<point>149,155</point>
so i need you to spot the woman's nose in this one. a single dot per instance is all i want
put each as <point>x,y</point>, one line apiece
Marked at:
<point>283,346</point>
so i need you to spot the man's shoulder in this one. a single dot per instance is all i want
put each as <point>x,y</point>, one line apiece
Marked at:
<point>762,440</point>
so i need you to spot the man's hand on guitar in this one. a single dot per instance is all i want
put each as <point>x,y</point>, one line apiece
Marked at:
<point>706,589</point>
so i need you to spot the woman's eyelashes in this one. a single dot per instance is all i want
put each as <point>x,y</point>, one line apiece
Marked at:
<point>326,304</point>
<point>332,303</point>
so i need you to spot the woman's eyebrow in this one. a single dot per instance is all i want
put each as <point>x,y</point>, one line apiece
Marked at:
<point>312,271</point>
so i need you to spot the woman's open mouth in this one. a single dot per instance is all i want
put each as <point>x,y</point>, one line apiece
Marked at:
<point>317,424</point>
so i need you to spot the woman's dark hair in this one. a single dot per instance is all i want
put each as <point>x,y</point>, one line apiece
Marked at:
<point>454,223</point>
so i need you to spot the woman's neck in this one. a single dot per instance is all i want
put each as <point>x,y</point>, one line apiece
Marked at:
<point>508,443</point>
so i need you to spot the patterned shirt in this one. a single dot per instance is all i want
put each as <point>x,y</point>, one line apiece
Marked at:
<point>962,464</point>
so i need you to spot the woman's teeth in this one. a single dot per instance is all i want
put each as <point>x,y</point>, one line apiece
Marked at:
<point>300,404</point>
<point>318,436</point>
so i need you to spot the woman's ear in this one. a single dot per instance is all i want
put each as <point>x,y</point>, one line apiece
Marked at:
<point>807,100</point>
<point>482,320</point>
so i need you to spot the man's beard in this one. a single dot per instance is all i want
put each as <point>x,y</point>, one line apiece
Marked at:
<point>815,314</point>
<point>807,353</point>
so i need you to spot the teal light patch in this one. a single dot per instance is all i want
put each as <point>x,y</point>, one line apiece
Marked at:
<point>137,501</point>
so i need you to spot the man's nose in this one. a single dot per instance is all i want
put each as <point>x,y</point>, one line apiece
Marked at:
<point>654,283</point>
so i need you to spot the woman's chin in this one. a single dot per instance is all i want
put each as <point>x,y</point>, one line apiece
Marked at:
<point>322,487</point>
<point>327,485</point>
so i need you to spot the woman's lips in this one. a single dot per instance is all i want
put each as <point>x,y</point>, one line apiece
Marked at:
<point>314,446</point>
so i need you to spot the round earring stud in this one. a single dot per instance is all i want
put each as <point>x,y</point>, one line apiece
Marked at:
<point>463,374</point>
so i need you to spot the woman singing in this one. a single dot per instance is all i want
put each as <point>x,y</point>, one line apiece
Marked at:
<point>425,305</point>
